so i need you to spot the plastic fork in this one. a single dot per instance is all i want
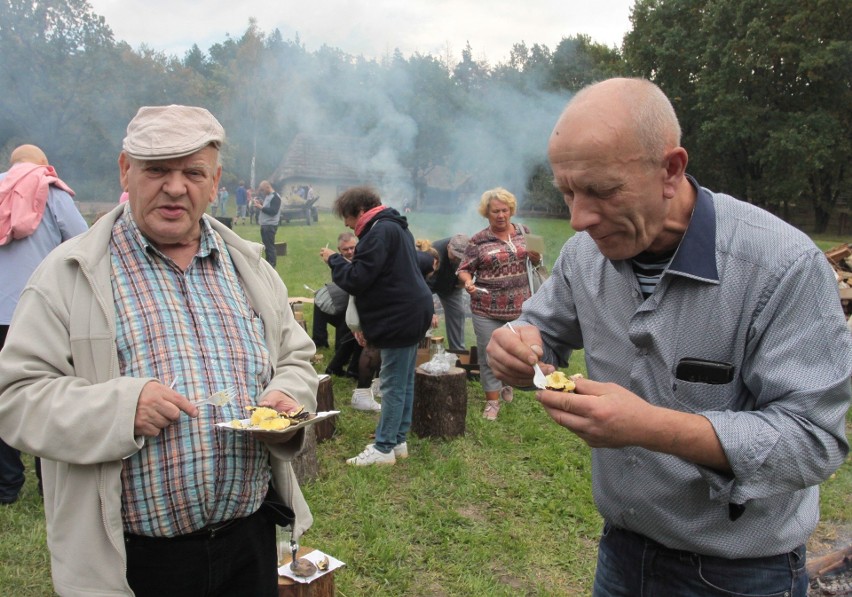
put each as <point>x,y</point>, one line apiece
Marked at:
<point>220,398</point>
<point>539,380</point>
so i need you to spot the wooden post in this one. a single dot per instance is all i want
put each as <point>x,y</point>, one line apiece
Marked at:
<point>321,587</point>
<point>325,402</point>
<point>305,464</point>
<point>440,403</point>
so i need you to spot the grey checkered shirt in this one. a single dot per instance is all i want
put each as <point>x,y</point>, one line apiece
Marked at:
<point>744,288</point>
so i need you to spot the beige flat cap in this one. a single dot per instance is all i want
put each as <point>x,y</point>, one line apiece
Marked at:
<point>165,132</point>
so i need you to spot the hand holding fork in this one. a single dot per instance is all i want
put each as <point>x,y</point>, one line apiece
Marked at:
<point>539,379</point>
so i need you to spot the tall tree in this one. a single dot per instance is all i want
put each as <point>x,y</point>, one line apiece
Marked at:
<point>762,91</point>
<point>53,55</point>
<point>470,74</point>
<point>578,61</point>
<point>665,46</point>
<point>777,96</point>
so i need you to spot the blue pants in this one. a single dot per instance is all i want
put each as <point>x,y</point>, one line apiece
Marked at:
<point>397,379</point>
<point>632,565</point>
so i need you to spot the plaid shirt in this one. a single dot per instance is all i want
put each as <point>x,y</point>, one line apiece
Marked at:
<point>197,327</point>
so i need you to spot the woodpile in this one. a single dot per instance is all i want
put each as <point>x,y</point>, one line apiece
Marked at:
<point>840,258</point>
<point>831,574</point>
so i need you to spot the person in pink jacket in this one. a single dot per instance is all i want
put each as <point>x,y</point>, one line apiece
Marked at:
<point>37,213</point>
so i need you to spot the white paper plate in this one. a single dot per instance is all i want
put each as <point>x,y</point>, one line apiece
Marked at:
<point>320,416</point>
<point>314,556</point>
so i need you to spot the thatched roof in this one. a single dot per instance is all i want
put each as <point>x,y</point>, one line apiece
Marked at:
<point>322,157</point>
<point>444,179</point>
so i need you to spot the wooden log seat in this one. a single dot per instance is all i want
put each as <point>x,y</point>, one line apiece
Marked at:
<point>440,403</point>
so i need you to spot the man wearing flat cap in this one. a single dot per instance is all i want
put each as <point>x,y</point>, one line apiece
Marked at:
<point>118,337</point>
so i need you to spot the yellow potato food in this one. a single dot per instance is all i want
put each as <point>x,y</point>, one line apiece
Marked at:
<point>560,382</point>
<point>269,419</point>
<point>261,414</point>
<point>276,424</point>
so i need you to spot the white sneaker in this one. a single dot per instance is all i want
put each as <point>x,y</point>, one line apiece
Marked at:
<point>400,451</point>
<point>362,399</point>
<point>376,387</point>
<point>372,456</point>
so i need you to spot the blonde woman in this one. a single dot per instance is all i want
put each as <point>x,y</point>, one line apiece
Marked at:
<point>494,274</point>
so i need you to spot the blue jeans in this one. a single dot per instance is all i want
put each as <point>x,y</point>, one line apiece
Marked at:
<point>632,565</point>
<point>397,379</point>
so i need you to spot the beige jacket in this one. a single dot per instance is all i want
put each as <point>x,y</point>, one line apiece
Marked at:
<point>61,398</point>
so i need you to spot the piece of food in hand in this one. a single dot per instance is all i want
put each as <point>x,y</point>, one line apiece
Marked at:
<point>299,413</point>
<point>560,382</point>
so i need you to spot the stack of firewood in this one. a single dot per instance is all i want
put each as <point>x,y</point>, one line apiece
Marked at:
<point>840,258</point>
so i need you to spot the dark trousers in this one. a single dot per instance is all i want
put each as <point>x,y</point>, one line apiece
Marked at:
<point>267,237</point>
<point>11,467</point>
<point>11,473</point>
<point>347,352</point>
<point>239,560</point>
<point>346,349</point>
<point>632,565</point>
<point>319,326</point>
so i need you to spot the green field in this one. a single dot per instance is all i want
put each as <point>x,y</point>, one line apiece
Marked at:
<point>504,510</point>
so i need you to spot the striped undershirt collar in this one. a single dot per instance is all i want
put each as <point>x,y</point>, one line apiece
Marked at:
<point>649,269</point>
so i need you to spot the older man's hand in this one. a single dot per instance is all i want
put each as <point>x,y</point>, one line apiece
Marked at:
<point>158,407</point>
<point>511,354</point>
<point>283,403</point>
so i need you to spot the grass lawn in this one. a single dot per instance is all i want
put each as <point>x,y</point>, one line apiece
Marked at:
<point>504,510</point>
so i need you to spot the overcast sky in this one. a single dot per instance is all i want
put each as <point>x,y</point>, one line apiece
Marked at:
<point>372,28</point>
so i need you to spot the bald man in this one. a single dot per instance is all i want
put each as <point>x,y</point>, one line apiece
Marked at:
<point>717,356</point>
<point>37,213</point>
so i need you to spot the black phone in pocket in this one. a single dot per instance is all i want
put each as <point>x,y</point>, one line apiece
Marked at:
<point>701,371</point>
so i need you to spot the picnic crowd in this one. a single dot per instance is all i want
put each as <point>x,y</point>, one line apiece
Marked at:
<point>717,353</point>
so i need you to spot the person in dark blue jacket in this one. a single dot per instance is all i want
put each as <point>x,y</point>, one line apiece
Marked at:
<point>394,306</point>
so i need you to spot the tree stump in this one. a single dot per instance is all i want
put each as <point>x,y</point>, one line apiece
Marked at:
<point>325,402</point>
<point>305,464</point>
<point>320,587</point>
<point>440,403</point>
